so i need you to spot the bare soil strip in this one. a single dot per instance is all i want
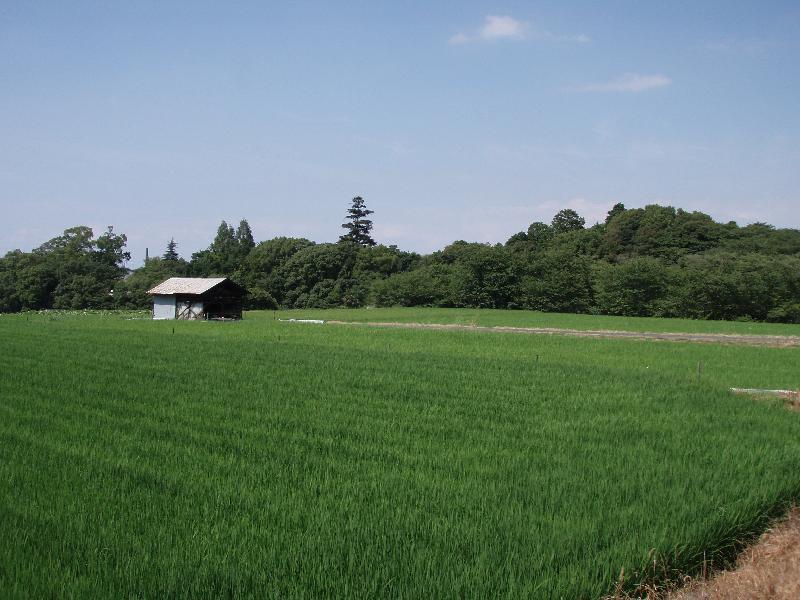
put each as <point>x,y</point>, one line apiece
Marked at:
<point>777,341</point>
<point>791,397</point>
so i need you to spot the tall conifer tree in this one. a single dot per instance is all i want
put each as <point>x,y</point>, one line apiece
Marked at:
<point>244,236</point>
<point>358,226</point>
<point>172,252</point>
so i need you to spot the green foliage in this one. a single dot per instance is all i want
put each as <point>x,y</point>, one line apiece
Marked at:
<point>567,220</point>
<point>788,312</point>
<point>617,209</point>
<point>80,291</point>
<point>310,275</point>
<point>651,261</point>
<point>660,231</point>
<point>358,225</point>
<point>445,464</point>
<point>760,238</point>
<point>479,274</point>
<point>226,253</point>
<point>424,286</point>
<point>726,286</point>
<point>261,272</point>
<point>9,285</point>
<point>539,234</point>
<point>131,292</point>
<point>536,238</point>
<point>556,281</point>
<point>244,239</point>
<point>73,270</point>
<point>110,250</point>
<point>259,298</point>
<point>638,287</point>
<point>171,252</point>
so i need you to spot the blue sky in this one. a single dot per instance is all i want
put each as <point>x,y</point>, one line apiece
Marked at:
<point>454,120</point>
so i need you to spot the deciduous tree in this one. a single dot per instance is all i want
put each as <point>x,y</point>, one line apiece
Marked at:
<point>567,220</point>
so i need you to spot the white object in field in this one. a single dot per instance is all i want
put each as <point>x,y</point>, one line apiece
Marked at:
<point>317,321</point>
<point>163,307</point>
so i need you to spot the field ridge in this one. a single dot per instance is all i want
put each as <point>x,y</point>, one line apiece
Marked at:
<point>778,341</point>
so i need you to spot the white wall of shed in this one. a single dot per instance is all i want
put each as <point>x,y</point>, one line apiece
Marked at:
<point>163,307</point>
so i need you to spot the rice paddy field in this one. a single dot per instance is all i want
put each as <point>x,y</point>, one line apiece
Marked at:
<point>269,459</point>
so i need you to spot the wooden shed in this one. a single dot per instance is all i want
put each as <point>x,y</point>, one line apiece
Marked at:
<point>197,298</point>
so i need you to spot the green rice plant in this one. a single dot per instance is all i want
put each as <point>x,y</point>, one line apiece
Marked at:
<point>264,458</point>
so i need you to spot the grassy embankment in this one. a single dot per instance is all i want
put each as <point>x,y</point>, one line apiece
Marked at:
<point>267,458</point>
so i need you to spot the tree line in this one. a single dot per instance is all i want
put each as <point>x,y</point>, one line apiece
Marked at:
<point>651,261</point>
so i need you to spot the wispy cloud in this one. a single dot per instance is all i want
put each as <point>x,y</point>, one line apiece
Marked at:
<point>504,27</point>
<point>629,82</point>
<point>752,48</point>
<point>495,27</point>
<point>560,37</point>
<point>459,38</point>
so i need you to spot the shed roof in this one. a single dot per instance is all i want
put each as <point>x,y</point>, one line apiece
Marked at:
<point>186,285</point>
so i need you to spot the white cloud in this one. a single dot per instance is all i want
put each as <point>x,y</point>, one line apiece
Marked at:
<point>504,27</point>
<point>495,27</point>
<point>629,82</point>
<point>459,38</point>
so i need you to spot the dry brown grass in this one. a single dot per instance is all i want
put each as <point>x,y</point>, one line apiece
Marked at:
<point>793,401</point>
<point>791,398</point>
<point>769,569</point>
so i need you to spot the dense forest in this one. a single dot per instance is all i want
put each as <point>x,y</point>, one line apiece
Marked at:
<point>651,261</point>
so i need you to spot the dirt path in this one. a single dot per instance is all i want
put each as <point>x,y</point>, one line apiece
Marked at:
<point>778,341</point>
